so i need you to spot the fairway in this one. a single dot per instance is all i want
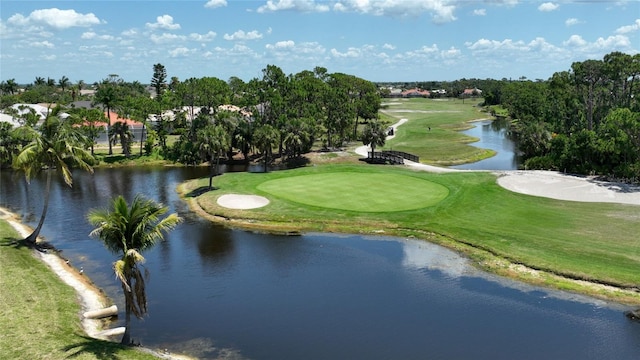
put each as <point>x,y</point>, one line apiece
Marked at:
<point>355,191</point>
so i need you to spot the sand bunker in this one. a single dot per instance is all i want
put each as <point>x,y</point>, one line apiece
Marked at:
<point>242,202</point>
<point>568,187</point>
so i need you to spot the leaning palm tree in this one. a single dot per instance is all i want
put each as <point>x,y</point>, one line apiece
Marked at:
<point>55,145</point>
<point>129,231</point>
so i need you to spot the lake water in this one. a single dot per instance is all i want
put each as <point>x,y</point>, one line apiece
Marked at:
<point>222,293</point>
<point>492,135</point>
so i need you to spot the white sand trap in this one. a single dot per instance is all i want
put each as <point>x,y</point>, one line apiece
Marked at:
<point>242,202</point>
<point>567,187</point>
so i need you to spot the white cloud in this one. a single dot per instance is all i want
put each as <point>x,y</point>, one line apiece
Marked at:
<point>166,38</point>
<point>55,18</point>
<point>242,36</point>
<point>571,22</point>
<point>351,52</point>
<point>212,4</point>
<point>129,32</point>
<point>575,41</point>
<point>294,5</point>
<point>548,6</point>
<point>181,52</point>
<point>203,37</point>
<point>280,45</point>
<point>480,12</point>
<point>92,35</point>
<point>441,10</point>
<point>629,28</point>
<point>42,44</point>
<point>163,22</point>
<point>388,47</point>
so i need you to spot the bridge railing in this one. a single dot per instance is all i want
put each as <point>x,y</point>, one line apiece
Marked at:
<point>402,154</point>
<point>395,159</point>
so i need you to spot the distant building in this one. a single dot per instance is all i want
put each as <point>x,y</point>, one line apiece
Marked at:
<point>472,92</point>
<point>416,93</point>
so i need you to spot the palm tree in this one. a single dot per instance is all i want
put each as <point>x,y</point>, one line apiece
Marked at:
<point>56,146</point>
<point>106,95</point>
<point>374,135</point>
<point>265,138</point>
<point>212,141</point>
<point>129,231</point>
<point>121,132</point>
<point>64,83</point>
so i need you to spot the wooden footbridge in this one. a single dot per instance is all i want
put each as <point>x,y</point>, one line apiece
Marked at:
<point>391,157</point>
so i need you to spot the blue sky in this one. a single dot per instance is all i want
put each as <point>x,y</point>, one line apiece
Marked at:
<point>384,40</point>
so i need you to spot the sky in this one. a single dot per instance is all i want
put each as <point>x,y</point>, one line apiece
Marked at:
<point>377,40</point>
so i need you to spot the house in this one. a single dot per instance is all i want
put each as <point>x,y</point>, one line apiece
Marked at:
<point>472,92</point>
<point>415,92</point>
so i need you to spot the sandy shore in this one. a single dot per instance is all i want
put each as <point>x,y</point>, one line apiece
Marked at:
<point>90,296</point>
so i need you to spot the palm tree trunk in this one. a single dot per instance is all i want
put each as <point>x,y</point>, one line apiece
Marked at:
<point>126,338</point>
<point>141,138</point>
<point>210,174</point>
<point>31,239</point>
<point>109,130</point>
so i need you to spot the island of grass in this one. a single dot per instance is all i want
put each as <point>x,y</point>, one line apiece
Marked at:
<point>557,242</point>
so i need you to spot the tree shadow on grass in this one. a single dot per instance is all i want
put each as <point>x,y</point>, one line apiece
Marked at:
<point>42,246</point>
<point>100,349</point>
<point>199,191</point>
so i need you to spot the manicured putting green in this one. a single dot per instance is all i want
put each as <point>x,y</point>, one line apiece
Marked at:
<point>354,191</point>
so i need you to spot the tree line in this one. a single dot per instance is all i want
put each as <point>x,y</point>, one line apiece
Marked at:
<point>281,115</point>
<point>585,120</point>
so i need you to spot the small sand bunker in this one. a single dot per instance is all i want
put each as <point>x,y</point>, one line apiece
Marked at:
<point>242,202</point>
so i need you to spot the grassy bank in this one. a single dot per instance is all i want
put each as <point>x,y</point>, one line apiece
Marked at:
<point>498,228</point>
<point>40,314</point>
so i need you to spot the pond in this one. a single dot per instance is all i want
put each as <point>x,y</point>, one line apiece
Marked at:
<point>221,293</point>
<point>494,135</point>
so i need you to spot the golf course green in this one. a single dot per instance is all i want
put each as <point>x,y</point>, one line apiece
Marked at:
<point>466,211</point>
<point>355,191</point>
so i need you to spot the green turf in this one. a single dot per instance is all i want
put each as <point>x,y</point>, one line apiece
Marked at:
<point>356,191</point>
<point>40,314</point>
<point>432,131</point>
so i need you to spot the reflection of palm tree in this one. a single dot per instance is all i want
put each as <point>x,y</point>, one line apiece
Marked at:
<point>55,146</point>
<point>129,231</point>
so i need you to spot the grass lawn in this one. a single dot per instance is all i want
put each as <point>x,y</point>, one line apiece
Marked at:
<point>590,241</point>
<point>443,144</point>
<point>40,314</point>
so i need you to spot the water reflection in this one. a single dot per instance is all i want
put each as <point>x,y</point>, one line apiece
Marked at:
<point>493,135</point>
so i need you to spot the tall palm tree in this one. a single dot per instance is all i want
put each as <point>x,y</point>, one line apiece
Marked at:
<point>374,135</point>
<point>107,95</point>
<point>212,141</point>
<point>121,132</point>
<point>64,83</point>
<point>129,231</point>
<point>265,138</point>
<point>56,145</point>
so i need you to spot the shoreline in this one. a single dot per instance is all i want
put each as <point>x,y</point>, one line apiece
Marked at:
<point>89,296</point>
<point>483,260</point>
